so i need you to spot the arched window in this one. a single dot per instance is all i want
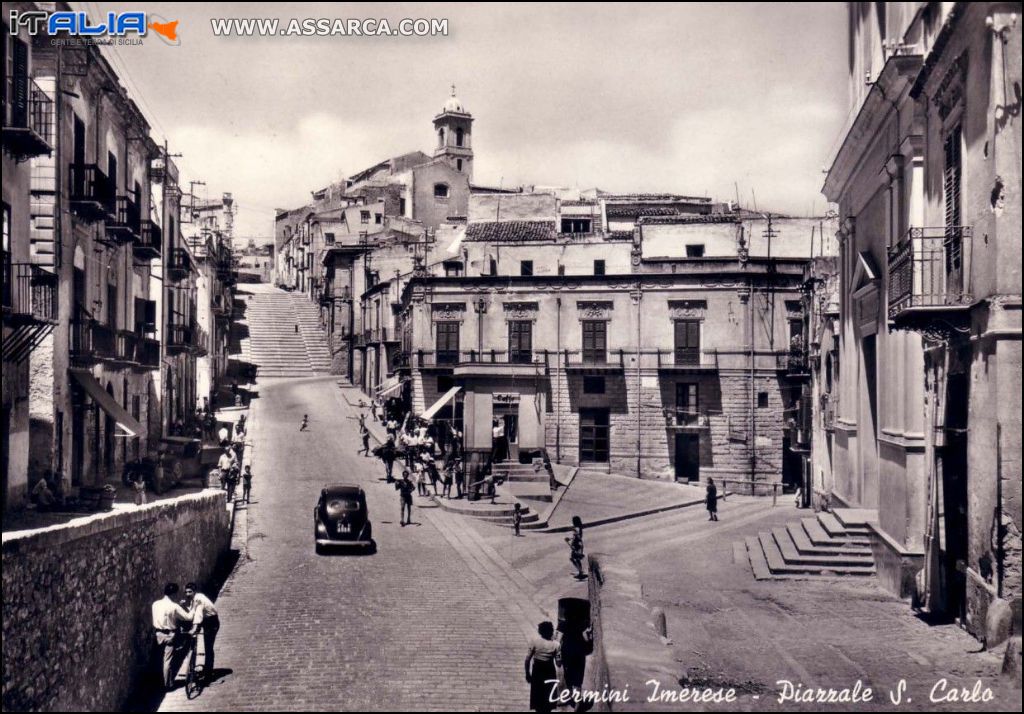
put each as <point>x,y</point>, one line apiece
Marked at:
<point>440,190</point>
<point>459,134</point>
<point>440,137</point>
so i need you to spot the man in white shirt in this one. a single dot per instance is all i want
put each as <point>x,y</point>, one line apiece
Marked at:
<point>204,614</point>
<point>168,616</point>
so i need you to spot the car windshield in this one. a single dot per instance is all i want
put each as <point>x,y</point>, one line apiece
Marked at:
<point>336,506</point>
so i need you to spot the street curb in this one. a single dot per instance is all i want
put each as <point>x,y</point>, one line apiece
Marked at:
<point>628,516</point>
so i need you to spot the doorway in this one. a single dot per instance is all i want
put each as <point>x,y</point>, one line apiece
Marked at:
<point>953,457</point>
<point>687,457</point>
<point>594,435</point>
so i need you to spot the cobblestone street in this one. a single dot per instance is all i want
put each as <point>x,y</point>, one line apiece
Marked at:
<point>413,626</point>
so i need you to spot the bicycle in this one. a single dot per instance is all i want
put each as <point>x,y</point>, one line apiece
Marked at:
<point>193,680</point>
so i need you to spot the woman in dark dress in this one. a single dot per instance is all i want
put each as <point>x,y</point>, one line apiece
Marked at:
<point>541,668</point>
<point>712,501</point>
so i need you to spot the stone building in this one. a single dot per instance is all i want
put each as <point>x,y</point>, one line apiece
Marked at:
<point>928,185</point>
<point>93,212</point>
<point>208,236</point>
<point>662,350</point>
<point>29,283</point>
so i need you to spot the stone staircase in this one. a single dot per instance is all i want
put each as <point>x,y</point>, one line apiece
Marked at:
<point>829,545</point>
<point>523,484</point>
<point>271,315</point>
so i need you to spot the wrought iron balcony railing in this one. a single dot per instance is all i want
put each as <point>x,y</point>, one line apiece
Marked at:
<point>29,292</point>
<point>92,194</point>
<point>92,341</point>
<point>147,353</point>
<point>28,118</point>
<point>127,222</point>
<point>179,263</point>
<point>928,274</point>
<point>149,244</point>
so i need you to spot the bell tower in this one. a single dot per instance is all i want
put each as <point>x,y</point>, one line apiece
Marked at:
<point>453,128</point>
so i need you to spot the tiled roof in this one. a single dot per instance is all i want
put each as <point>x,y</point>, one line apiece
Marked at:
<point>511,231</point>
<point>633,210</point>
<point>683,218</point>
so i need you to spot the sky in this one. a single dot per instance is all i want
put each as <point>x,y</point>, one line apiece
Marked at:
<point>699,99</point>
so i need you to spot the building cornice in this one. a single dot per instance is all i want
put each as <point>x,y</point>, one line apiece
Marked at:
<point>893,81</point>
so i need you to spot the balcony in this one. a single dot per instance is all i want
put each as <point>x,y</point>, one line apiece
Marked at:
<point>498,363</point>
<point>92,342</point>
<point>147,353</point>
<point>29,307</point>
<point>28,119</point>
<point>92,195</point>
<point>795,364</point>
<point>684,360</point>
<point>149,245</point>
<point>125,346</point>
<point>927,280</point>
<point>595,360</point>
<point>181,337</point>
<point>179,264</point>
<point>29,293</point>
<point>127,222</point>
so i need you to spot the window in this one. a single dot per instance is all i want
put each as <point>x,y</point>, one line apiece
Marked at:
<point>595,341</point>
<point>447,342</point>
<point>593,385</point>
<point>520,341</point>
<point>452,268</point>
<point>561,269</point>
<point>111,305</point>
<point>458,164</point>
<point>460,136</point>
<point>762,400</point>
<point>598,267</point>
<point>687,342</point>
<point>378,218</point>
<point>440,137</point>
<point>364,216</point>
<point>952,176</point>
<point>695,251</point>
<point>492,266</point>
<point>329,237</point>
<point>401,206</point>
<point>440,190</point>
<point>686,403</point>
<point>526,267</point>
<point>576,225</point>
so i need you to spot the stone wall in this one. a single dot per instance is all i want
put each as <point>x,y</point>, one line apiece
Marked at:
<point>723,398</point>
<point>628,653</point>
<point>76,598</point>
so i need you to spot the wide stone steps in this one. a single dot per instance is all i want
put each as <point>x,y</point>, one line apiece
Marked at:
<point>497,513</point>
<point>831,545</point>
<point>274,343</point>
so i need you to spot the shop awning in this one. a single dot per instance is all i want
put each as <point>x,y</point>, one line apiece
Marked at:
<point>436,406</point>
<point>125,421</point>
<point>389,387</point>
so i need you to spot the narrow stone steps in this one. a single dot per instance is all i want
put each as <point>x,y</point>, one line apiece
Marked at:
<point>804,545</point>
<point>811,548</point>
<point>793,555</point>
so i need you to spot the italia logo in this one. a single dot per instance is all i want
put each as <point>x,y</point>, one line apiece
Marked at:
<point>113,24</point>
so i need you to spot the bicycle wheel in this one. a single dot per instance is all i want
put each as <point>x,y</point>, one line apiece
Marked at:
<point>193,684</point>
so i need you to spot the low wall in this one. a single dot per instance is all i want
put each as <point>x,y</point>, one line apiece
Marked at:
<point>77,630</point>
<point>628,653</point>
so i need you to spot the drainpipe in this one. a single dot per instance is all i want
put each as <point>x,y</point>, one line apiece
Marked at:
<point>558,381</point>
<point>638,299</point>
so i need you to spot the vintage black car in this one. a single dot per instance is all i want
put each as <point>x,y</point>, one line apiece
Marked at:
<point>341,518</point>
